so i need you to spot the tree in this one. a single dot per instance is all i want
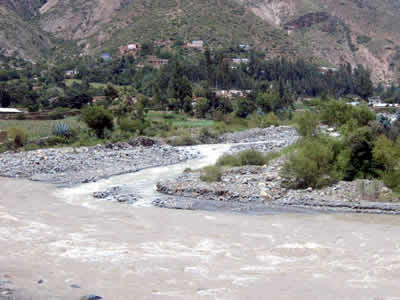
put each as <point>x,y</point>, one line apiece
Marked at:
<point>187,105</point>
<point>362,82</point>
<point>98,118</point>
<point>244,107</point>
<point>179,86</point>
<point>111,93</point>
<point>307,123</point>
<point>5,98</point>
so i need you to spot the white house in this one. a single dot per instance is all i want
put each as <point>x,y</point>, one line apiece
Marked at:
<point>4,110</point>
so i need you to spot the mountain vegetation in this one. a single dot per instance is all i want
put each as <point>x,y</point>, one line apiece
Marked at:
<point>329,32</point>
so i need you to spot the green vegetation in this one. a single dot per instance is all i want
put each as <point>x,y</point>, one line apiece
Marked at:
<point>211,174</point>
<point>366,150</point>
<point>39,129</point>
<point>98,118</point>
<point>246,158</point>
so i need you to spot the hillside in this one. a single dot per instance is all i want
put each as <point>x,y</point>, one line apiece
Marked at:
<point>330,32</point>
<point>19,36</point>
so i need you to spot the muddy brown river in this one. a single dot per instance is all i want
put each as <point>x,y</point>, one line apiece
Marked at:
<point>67,238</point>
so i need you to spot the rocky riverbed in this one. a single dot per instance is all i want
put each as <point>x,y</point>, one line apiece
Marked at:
<point>67,166</point>
<point>252,187</point>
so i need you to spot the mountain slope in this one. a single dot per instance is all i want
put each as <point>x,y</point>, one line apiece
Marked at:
<point>330,32</point>
<point>355,31</point>
<point>18,36</point>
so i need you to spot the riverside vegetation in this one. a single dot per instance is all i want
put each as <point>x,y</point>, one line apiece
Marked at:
<point>368,148</point>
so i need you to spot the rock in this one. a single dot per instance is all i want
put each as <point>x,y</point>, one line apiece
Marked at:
<point>40,281</point>
<point>66,166</point>
<point>75,286</point>
<point>143,141</point>
<point>91,297</point>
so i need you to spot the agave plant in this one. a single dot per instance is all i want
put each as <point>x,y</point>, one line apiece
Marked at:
<point>62,129</point>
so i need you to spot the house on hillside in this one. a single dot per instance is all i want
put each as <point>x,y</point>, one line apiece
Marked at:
<point>230,94</point>
<point>70,73</point>
<point>196,44</point>
<point>326,69</point>
<point>238,61</point>
<point>374,100</point>
<point>106,56</point>
<point>156,62</point>
<point>130,49</point>
<point>163,44</point>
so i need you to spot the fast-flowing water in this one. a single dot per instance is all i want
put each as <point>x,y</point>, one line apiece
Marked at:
<point>67,239</point>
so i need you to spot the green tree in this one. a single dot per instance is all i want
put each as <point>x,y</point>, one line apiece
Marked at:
<point>111,93</point>
<point>98,119</point>
<point>5,98</point>
<point>187,105</point>
<point>306,123</point>
<point>179,86</point>
<point>362,82</point>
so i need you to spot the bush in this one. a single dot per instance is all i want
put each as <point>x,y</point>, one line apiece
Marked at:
<point>211,174</point>
<point>338,113</point>
<point>310,165</point>
<point>392,180</point>
<point>132,126</point>
<point>56,115</point>
<point>251,157</point>
<point>270,120</point>
<point>306,123</point>
<point>206,136</point>
<point>98,119</point>
<point>56,140</point>
<point>246,158</point>
<point>184,140</point>
<point>21,117</point>
<point>18,135</point>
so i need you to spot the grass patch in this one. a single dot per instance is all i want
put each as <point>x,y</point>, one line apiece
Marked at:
<point>211,174</point>
<point>39,129</point>
<point>247,158</point>
<point>179,120</point>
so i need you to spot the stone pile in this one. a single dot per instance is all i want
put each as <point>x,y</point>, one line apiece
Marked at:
<point>66,166</point>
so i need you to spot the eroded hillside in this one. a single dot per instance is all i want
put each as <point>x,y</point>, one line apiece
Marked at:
<point>329,32</point>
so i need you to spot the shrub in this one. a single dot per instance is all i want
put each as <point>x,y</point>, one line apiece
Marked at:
<point>221,128</point>
<point>338,113</point>
<point>184,140</point>
<point>310,165</point>
<point>392,180</point>
<point>270,120</point>
<point>55,115</point>
<point>228,160</point>
<point>56,140</point>
<point>306,123</point>
<point>21,116</point>
<point>246,158</point>
<point>98,119</point>
<point>251,157</point>
<point>205,135</point>
<point>211,174</point>
<point>132,126</point>
<point>386,153</point>
<point>18,135</point>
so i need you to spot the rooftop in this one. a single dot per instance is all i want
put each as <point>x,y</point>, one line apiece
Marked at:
<point>9,110</point>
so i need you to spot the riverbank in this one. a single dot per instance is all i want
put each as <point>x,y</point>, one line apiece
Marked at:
<point>261,187</point>
<point>70,166</point>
